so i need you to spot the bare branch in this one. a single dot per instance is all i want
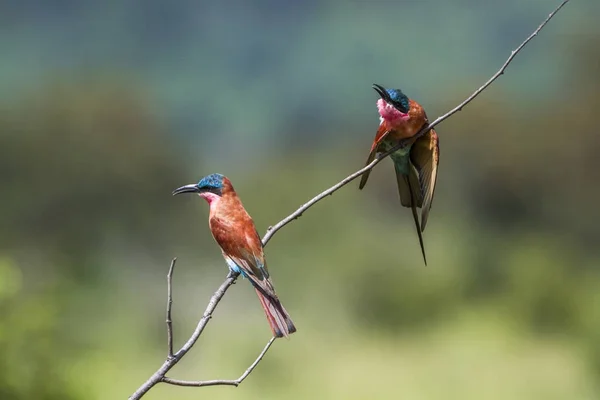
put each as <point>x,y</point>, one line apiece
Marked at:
<point>169,305</point>
<point>174,358</point>
<point>233,382</point>
<point>298,213</point>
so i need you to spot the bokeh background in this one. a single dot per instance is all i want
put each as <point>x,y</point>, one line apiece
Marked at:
<point>106,107</point>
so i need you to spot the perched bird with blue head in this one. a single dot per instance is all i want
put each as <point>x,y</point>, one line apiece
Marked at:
<point>400,119</point>
<point>234,231</point>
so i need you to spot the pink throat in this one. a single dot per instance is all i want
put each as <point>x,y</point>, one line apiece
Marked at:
<point>211,198</point>
<point>390,114</point>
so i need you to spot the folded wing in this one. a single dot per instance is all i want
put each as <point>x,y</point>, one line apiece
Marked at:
<point>382,132</point>
<point>425,157</point>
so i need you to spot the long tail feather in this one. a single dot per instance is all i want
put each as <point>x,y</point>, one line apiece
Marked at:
<point>279,320</point>
<point>413,207</point>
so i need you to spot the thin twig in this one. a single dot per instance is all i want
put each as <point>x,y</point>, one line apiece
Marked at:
<point>169,305</point>
<point>298,213</point>
<point>160,374</point>
<point>215,382</point>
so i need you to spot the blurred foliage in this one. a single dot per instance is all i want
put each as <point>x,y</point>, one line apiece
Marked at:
<point>507,308</point>
<point>30,339</point>
<point>76,160</point>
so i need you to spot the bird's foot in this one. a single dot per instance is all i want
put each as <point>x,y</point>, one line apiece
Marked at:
<point>232,275</point>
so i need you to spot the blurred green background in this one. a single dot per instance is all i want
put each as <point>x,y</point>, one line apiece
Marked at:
<point>106,107</point>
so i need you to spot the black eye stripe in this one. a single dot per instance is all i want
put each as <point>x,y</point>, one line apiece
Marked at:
<point>403,106</point>
<point>211,189</point>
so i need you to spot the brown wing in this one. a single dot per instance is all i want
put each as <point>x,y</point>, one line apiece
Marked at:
<point>424,156</point>
<point>382,132</point>
<point>242,246</point>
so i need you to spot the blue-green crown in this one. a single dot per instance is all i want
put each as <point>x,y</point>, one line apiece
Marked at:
<point>399,99</point>
<point>213,181</point>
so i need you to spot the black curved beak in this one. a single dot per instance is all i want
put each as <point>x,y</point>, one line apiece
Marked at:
<point>382,92</point>
<point>192,188</point>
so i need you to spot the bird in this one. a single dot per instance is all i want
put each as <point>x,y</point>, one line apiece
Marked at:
<point>416,164</point>
<point>234,231</point>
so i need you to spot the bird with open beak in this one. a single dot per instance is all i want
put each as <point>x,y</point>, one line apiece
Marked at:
<point>415,164</point>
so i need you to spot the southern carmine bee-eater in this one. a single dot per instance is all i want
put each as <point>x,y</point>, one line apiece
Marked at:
<point>416,164</point>
<point>234,231</point>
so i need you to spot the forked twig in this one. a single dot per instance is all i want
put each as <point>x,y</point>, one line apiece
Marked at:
<point>170,362</point>
<point>228,382</point>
